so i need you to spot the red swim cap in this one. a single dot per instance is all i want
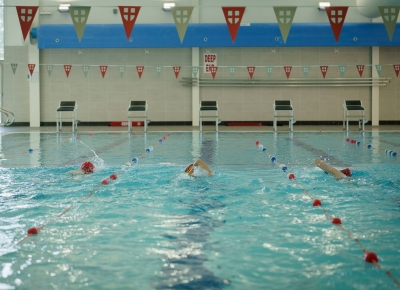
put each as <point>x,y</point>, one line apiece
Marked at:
<point>346,172</point>
<point>88,167</point>
<point>189,167</point>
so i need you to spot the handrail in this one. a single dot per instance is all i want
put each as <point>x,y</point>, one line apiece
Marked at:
<point>294,82</point>
<point>6,112</point>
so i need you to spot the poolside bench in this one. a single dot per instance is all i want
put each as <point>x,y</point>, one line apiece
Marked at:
<point>353,109</point>
<point>68,110</point>
<point>137,110</point>
<point>286,107</point>
<point>208,106</point>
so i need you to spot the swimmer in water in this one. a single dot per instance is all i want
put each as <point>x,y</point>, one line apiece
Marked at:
<point>86,168</point>
<point>330,170</point>
<point>190,169</point>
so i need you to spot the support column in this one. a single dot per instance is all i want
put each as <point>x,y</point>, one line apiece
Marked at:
<point>34,85</point>
<point>195,90</point>
<point>195,62</point>
<point>375,89</point>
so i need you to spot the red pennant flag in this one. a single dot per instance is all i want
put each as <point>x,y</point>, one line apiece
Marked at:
<point>103,69</point>
<point>26,14</point>
<point>251,70</point>
<point>213,71</point>
<point>360,69</point>
<point>67,68</point>
<point>31,67</point>
<point>324,70</point>
<point>129,15</point>
<point>140,70</point>
<point>288,70</point>
<point>233,17</point>
<point>396,69</point>
<point>336,16</point>
<point>177,69</point>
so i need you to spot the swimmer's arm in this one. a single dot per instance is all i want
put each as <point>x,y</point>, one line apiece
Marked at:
<point>204,166</point>
<point>328,169</point>
<point>77,172</point>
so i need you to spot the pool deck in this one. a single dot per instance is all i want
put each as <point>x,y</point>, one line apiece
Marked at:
<point>299,128</point>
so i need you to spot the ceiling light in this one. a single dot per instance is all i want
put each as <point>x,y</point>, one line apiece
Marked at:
<point>64,8</point>
<point>168,6</point>
<point>323,5</point>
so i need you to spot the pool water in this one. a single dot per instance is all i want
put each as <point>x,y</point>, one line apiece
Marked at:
<point>247,227</point>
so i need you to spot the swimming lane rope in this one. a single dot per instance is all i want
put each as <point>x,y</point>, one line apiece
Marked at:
<point>369,146</point>
<point>105,181</point>
<point>369,256</point>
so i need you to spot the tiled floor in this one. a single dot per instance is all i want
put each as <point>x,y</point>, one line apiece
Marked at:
<point>299,128</point>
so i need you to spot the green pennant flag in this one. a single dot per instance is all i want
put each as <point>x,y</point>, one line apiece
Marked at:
<point>389,16</point>
<point>85,70</point>
<point>285,15</point>
<point>79,16</point>
<point>306,69</point>
<point>269,71</point>
<point>195,70</point>
<point>121,71</point>
<point>14,67</point>
<point>342,69</point>
<point>49,69</point>
<point>181,17</point>
<point>378,69</point>
<point>232,71</point>
<point>158,70</point>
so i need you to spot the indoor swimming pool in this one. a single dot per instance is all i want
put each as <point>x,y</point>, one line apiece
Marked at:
<point>247,227</point>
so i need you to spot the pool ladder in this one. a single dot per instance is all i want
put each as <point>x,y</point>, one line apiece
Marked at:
<point>9,115</point>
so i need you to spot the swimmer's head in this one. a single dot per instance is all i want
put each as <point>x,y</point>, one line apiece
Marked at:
<point>347,172</point>
<point>189,168</point>
<point>87,167</point>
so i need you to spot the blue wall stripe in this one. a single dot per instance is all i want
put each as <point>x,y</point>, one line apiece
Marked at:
<point>213,35</point>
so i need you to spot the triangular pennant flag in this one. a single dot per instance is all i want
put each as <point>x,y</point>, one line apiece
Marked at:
<point>336,16</point>
<point>79,16</point>
<point>121,71</point>
<point>306,70</point>
<point>360,69</point>
<point>250,70</point>
<point>342,69</point>
<point>26,14</point>
<point>177,69</point>
<point>85,70</point>
<point>269,71</point>
<point>324,70</point>
<point>396,69</point>
<point>378,69</point>
<point>181,17</point>
<point>14,67</point>
<point>158,70</point>
<point>31,67</point>
<point>288,70</point>
<point>140,70</point>
<point>233,17</point>
<point>284,16</point>
<point>213,70</point>
<point>129,15</point>
<point>103,70</point>
<point>195,70</point>
<point>389,16</point>
<point>67,68</point>
<point>232,71</point>
<point>49,69</point>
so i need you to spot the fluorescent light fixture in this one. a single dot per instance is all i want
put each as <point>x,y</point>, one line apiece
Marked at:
<point>168,6</point>
<point>64,8</point>
<point>323,5</point>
